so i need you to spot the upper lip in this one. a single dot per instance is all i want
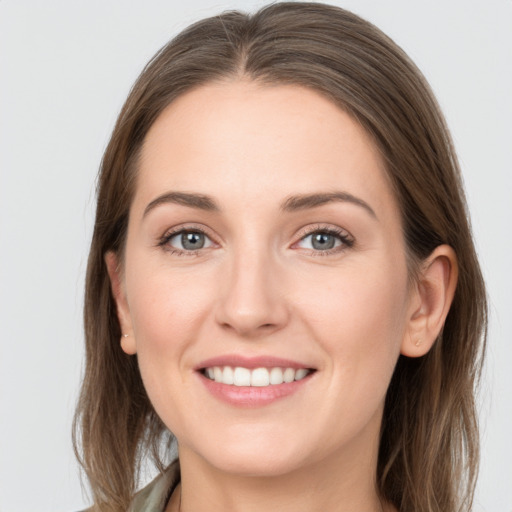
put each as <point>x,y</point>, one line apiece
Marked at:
<point>251,362</point>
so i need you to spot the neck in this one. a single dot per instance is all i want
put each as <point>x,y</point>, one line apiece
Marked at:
<point>338,483</point>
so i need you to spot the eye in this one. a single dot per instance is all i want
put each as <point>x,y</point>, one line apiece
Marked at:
<point>319,241</point>
<point>325,240</point>
<point>187,240</point>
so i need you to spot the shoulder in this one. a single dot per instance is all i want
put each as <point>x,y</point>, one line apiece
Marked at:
<point>154,497</point>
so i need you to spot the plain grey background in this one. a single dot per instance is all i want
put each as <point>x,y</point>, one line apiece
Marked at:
<point>65,70</point>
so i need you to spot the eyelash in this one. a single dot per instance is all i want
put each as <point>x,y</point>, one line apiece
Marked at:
<point>164,241</point>
<point>346,240</point>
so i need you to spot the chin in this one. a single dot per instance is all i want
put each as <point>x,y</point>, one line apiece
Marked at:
<point>262,464</point>
<point>254,455</point>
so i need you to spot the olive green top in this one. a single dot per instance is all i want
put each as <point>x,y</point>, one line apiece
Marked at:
<point>155,496</point>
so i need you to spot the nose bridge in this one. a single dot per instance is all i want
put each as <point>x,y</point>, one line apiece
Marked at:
<point>252,299</point>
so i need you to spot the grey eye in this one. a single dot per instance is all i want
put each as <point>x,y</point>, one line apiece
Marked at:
<point>320,241</point>
<point>190,241</point>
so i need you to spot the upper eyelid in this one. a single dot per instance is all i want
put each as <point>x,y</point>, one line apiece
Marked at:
<point>318,228</point>
<point>346,238</point>
<point>163,241</point>
<point>169,233</point>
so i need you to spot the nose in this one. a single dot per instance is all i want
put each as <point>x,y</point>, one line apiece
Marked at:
<point>252,299</point>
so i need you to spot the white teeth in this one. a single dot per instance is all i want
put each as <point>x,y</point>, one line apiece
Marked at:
<point>227,375</point>
<point>259,377</point>
<point>301,373</point>
<point>289,375</point>
<point>217,374</point>
<point>276,376</point>
<point>241,377</point>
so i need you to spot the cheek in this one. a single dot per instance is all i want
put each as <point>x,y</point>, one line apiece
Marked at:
<point>165,305</point>
<point>168,313</point>
<point>359,318</point>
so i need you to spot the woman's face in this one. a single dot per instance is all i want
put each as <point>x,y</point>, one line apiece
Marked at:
<point>264,235</point>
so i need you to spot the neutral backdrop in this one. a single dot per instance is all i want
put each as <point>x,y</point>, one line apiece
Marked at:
<point>65,69</point>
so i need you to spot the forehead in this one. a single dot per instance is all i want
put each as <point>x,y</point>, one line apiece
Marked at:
<point>262,142</point>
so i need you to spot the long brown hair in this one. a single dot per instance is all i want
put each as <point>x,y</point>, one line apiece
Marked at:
<point>429,453</point>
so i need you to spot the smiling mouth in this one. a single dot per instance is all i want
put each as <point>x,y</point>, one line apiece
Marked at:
<point>256,377</point>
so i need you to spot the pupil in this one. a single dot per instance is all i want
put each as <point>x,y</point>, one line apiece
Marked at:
<point>323,241</point>
<point>192,240</point>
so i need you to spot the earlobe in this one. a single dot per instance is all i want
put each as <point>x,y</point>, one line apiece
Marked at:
<point>123,312</point>
<point>432,297</point>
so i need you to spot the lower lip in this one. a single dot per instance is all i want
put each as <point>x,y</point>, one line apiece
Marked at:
<point>252,396</point>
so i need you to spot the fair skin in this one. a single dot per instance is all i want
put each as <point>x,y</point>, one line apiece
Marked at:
<point>321,282</point>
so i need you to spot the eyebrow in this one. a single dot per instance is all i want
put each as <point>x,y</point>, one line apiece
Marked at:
<point>291,204</point>
<point>198,201</point>
<point>305,201</point>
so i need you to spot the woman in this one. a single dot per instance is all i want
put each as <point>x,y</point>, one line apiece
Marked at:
<point>282,279</point>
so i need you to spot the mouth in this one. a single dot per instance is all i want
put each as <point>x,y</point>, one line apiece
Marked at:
<point>255,377</point>
<point>253,381</point>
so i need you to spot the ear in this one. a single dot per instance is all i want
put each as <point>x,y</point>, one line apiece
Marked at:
<point>431,299</point>
<point>123,311</point>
